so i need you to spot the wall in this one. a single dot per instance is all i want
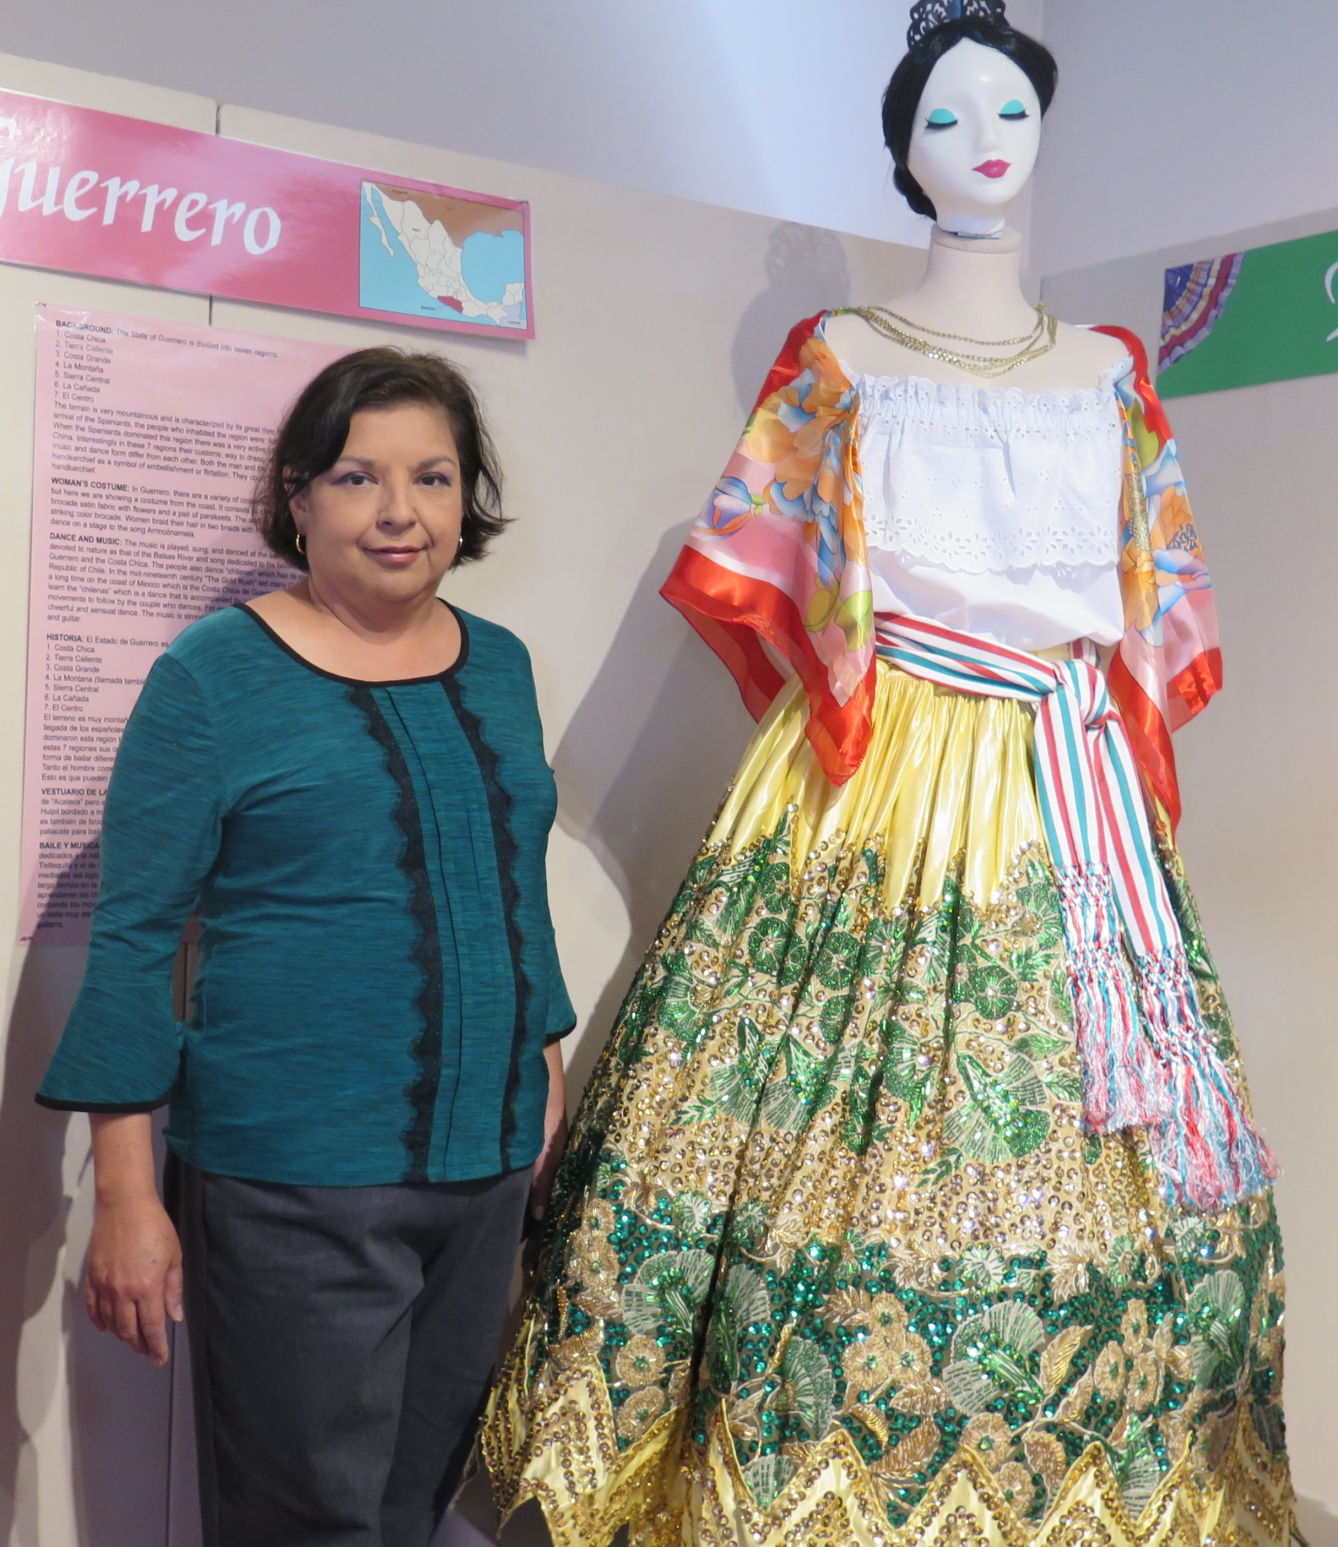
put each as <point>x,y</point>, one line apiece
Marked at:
<point>1177,121</point>
<point>1192,155</point>
<point>59,1481</point>
<point>762,105</point>
<point>657,321</point>
<point>1260,832</point>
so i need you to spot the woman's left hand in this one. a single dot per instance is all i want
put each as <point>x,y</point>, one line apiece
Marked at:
<point>555,1135</point>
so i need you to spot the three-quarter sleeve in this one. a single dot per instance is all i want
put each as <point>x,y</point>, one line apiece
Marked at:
<point>161,830</point>
<point>561,1016</point>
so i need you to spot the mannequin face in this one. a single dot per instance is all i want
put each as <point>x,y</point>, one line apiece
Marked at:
<point>977,132</point>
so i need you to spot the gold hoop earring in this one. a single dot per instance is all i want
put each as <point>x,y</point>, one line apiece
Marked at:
<point>300,543</point>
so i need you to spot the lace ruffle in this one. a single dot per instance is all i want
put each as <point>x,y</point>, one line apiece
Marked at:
<point>1059,549</point>
<point>976,480</point>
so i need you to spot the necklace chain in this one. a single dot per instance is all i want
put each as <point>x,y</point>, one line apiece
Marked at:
<point>1040,341</point>
<point>961,338</point>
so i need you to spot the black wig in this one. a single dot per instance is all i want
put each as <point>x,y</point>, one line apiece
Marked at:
<point>901,100</point>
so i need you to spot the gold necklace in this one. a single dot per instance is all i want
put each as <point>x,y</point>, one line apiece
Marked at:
<point>1040,341</point>
<point>961,338</point>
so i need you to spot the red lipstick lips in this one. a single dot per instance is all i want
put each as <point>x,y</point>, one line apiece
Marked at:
<point>992,168</point>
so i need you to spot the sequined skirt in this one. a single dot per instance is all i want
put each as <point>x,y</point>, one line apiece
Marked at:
<point>831,1259</point>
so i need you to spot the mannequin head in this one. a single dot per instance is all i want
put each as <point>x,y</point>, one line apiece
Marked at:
<point>969,95</point>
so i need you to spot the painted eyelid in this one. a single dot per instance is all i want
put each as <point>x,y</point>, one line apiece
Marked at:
<point>1013,109</point>
<point>940,118</point>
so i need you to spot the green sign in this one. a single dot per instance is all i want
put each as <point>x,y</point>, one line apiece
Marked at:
<point>1266,315</point>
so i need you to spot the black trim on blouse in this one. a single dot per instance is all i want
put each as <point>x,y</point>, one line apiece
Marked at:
<point>111,1108</point>
<point>426,953</point>
<point>506,851</point>
<point>370,682</point>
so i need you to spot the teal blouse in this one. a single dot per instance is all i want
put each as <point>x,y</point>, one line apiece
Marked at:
<point>377,971</point>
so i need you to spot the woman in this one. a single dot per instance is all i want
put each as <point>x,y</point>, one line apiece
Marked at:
<point>915,1199</point>
<point>345,782</point>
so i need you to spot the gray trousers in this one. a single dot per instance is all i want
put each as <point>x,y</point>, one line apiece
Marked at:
<point>342,1340</point>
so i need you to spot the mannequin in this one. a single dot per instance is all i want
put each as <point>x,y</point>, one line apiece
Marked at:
<point>884,1215</point>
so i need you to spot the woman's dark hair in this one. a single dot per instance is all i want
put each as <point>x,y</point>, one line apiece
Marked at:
<point>312,438</point>
<point>901,100</point>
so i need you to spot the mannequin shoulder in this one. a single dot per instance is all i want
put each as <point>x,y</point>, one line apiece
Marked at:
<point>845,333</point>
<point>863,352</point>
<point>1091,352</point>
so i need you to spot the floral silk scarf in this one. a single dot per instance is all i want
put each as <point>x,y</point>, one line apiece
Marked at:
<point>777,557</point>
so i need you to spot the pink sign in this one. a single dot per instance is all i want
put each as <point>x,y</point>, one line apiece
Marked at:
<point>123,198</point>
<point>148,439</point>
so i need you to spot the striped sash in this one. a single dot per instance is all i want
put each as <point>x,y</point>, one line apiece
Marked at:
<point>1147,1059</point>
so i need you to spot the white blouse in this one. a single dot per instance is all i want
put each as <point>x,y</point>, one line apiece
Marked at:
<point>995,511</point>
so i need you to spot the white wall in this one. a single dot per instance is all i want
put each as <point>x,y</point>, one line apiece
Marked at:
<point>770,106</point>
<point>1177,121</point>
<point>61,1482</point>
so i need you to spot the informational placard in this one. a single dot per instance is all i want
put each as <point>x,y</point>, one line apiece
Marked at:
<point>149,437</point>
<point>1270,314</point>
<point>124,198</point>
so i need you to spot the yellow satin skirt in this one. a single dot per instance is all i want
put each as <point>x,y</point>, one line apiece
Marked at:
<point>945,789</point>
<point>831,1259</point>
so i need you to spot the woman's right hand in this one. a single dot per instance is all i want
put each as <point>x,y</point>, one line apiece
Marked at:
<point>132,1281</point>
<point>132,1278</point>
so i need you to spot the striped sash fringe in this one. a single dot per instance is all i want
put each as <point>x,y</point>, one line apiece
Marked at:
<point>1147,1059</point>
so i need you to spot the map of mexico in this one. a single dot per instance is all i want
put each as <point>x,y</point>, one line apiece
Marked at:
<point>431,255</point>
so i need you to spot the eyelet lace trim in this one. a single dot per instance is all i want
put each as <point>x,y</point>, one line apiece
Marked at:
<point>982,480</point>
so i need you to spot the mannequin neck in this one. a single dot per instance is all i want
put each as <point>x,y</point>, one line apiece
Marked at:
<point>971,285</point>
